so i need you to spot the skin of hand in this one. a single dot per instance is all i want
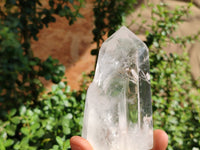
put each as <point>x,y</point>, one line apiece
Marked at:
<point>160,142</point>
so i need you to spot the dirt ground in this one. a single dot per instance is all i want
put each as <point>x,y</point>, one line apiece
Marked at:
<point>72,44</point>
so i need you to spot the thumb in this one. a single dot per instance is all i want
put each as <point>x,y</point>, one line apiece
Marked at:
<point>160,140</point>
<point>79,143</point>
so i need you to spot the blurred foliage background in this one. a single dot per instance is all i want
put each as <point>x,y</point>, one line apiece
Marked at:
<point>33,119</point>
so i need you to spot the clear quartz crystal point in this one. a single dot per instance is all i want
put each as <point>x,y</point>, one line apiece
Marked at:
<point>118,110</point>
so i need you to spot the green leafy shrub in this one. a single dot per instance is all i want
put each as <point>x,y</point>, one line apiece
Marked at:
<point>15,68</point>
<point>20,71</point>
<point>49,125</point>
<point>30,120</point>
<point>175,103</point>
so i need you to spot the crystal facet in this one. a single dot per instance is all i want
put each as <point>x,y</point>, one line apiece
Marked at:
<point>118,111</point>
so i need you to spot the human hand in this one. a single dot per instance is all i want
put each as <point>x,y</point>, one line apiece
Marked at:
<point>160,142</point>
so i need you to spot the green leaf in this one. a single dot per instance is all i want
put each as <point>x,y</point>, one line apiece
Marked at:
<point>39,133</point>
<point>24,141</point>
<point>66,130</point>
<point>48,76</point>
<point>59,140</point>
<point>11,130</point>
<point>66,103</point>
<point>69,116</point>
<point>2,146</point>
<point>83,96</point>
<point>61,85</point>
<point>55,147</point>
<point>32,63</point>
<point>17,145</point>
<point>76,7</point>
<point>12,112</point>
<point>54,88</point>
<point>35,126</point>
<point>15,120</point>
<point>9,142</point>
<point>66,145</point>
<point>25,130</point>
<point>67,89</point>
<point>22,110</point>
<point>80,15</point>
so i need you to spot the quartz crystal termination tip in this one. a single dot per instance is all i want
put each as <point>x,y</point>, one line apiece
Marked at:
<point>118,110</point>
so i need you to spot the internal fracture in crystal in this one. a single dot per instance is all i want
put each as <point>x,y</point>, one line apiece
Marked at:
<point>118,110</point>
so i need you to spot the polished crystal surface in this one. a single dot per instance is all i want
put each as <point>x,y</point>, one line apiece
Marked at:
<point>118,110</point>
